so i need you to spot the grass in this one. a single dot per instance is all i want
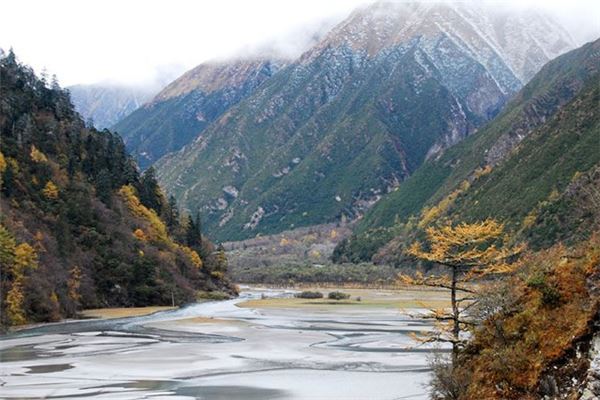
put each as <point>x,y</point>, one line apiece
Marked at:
<point>370,298</point>
<point>108,313</point>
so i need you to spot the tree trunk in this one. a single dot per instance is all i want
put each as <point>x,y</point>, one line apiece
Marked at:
<point>455,317</point>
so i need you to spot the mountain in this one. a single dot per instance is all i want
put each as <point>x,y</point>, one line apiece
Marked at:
<point>79,226</point>
<point>324,138</point>
<point>535,167</point>
<point>183,109</point>
<point>107,104</point>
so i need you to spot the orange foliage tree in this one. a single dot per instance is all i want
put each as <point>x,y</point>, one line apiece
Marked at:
<point>24,257</point>
<point>468,251</point>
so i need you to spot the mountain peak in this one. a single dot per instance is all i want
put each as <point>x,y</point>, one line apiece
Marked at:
<point>217,75</point>
<point>525,39</point>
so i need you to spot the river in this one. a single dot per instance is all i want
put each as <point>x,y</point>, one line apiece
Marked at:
<point>218,350</point>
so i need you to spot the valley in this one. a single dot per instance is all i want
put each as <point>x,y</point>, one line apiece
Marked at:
<point>236,349</point>
<point>256,200</point>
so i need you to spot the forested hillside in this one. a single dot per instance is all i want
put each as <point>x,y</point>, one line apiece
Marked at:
<point>79,226</point>
<point>534,167</point>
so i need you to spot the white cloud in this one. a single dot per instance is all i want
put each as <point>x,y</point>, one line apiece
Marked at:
<point>129,40</point>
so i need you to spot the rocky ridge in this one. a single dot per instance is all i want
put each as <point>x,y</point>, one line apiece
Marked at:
<point>356,114</point>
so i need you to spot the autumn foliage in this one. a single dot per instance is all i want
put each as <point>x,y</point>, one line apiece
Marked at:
<point>81,227</point>
<point>15,260</point>
<point>548,309</point>
<point>467,251</point>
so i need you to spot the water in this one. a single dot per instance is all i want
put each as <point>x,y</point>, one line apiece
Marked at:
<point>218,350</point>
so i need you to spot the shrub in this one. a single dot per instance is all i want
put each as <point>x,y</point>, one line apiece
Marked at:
<point>338,296</point>
<point>550,294</point>
<point>307,294</point>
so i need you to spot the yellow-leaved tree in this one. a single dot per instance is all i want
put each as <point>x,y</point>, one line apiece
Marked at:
<point>74,285</point>
<point>468,251</point>
<point>25,257</point>
<point>3,165</point>
<point>37,156</point>
<point>50,191</point>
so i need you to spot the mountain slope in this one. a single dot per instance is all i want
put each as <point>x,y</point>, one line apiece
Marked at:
<point>541,151</point>
<point>105,105</point>
<point>386,89</point>
<point>184,108</point>
<point>79,227</point>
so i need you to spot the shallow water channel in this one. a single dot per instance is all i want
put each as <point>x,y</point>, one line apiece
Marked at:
<point>217,350</point>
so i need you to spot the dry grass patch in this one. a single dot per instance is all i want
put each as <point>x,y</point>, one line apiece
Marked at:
<point>108,313</point>
<point>372,298</point>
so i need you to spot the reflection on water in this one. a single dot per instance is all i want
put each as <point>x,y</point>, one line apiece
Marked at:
<point>230,393</point>
<point>48,368</point>
<point>20,353</point>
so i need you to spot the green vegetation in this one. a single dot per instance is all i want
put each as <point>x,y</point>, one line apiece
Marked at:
<point>172,120</point>
<point>338,296</point>
<point>321,141</point>
<point>533,168</point>
<point>351,274</point>
<point>214,295</point>
<point>80,227</point>
<point>153,130</point>
<point>308,294</point>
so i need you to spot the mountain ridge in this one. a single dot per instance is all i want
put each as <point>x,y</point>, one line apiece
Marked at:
<point>107,104</point>
<point>456,184</point>
<point>385,112</point>
<point>184,108</point>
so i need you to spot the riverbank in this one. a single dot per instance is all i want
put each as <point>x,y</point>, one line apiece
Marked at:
<point>123,312</point>
<point>218,349</point>
<point>400,298</point>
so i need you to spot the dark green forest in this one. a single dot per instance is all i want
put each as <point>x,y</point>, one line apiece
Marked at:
<point>80,227</point>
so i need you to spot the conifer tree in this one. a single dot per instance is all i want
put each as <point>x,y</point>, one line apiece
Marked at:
<point>221,258</point>
<point>198,225</point>
<point>172,217</point>
<point>192,234</point>
<point>149,191</point>
<point>467,251</point>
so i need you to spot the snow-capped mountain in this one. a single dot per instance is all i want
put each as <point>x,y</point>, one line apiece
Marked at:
<point>387,88</point>
<point>523,40</point>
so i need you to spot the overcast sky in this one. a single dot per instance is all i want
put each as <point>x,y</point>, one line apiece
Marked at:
<point>132,40</point>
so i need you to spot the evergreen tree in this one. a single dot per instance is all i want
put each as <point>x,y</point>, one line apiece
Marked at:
<point>149,191</point>
<point>172,217</point>
<point>198,225</point>
<point>8,182</point>
<point>104,186</point>
<point>11,59</point>
<point>191,233</point>
<point>54,85</point>
<point>221,259</point>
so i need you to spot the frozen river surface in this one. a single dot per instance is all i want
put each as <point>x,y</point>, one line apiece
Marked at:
<point>217,350</point>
